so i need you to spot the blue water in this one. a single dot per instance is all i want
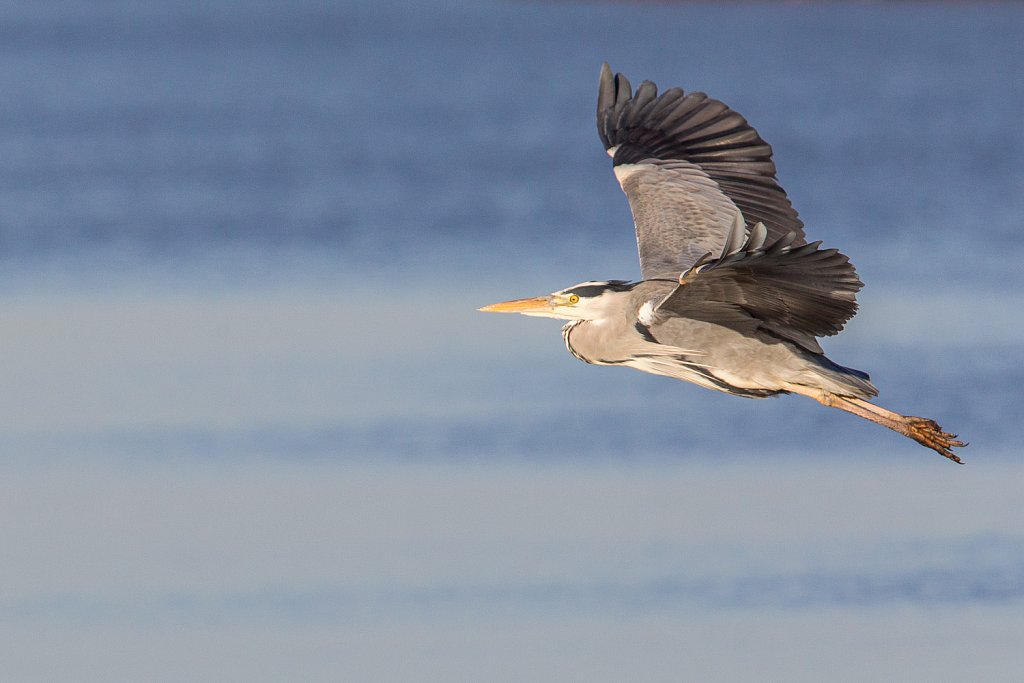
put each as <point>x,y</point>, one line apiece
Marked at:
<point>253,427</point>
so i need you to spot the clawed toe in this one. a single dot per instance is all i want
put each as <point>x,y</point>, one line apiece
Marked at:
<point>929,433</point>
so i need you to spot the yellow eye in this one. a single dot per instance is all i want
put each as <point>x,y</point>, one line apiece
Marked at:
<point>573,299</point>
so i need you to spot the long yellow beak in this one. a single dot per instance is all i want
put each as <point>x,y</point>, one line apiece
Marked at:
<point>537,304</point>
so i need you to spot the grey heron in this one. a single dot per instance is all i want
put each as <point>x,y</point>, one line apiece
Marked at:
<point>732,297</point>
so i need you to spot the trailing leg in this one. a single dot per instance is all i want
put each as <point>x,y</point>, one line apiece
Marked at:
<point>922,430</point>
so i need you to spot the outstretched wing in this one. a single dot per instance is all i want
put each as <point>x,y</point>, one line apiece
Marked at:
<point>687,164</point>
<point>796,292</point>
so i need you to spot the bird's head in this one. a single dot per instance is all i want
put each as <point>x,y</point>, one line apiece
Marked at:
<point>585,301</point>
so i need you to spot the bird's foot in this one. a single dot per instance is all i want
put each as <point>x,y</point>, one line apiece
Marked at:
<point>928,433</point>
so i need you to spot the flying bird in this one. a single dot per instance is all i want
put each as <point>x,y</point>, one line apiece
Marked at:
<point>732,297</point>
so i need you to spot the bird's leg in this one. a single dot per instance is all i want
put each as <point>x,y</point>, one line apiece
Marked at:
<point>922,430</point>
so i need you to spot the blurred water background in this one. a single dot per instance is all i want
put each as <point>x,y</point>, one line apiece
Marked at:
<point>252,427</point>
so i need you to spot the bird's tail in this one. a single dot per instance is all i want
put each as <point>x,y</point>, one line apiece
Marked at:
<point>839,379</point>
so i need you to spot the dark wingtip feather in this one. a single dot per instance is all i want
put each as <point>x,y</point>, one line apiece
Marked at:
<point>623,90</point>
<point>605,90</point>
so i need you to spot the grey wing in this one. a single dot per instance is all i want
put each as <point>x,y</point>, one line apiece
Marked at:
<point>793,292</point>
<point>687,164</point>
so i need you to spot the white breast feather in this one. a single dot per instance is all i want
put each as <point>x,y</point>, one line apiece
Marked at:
<point>646,314</point>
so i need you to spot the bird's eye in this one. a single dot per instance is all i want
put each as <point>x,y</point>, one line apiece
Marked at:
<point>574,299</point>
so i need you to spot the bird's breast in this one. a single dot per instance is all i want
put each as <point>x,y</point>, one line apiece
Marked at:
<point>592,343</point>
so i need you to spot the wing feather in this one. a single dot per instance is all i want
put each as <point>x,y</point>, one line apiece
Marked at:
<point>719,165</point>
<point>680,214</point>
<point>796,292</point>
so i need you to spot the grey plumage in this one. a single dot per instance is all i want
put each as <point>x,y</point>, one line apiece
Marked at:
<point>733,298</point>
